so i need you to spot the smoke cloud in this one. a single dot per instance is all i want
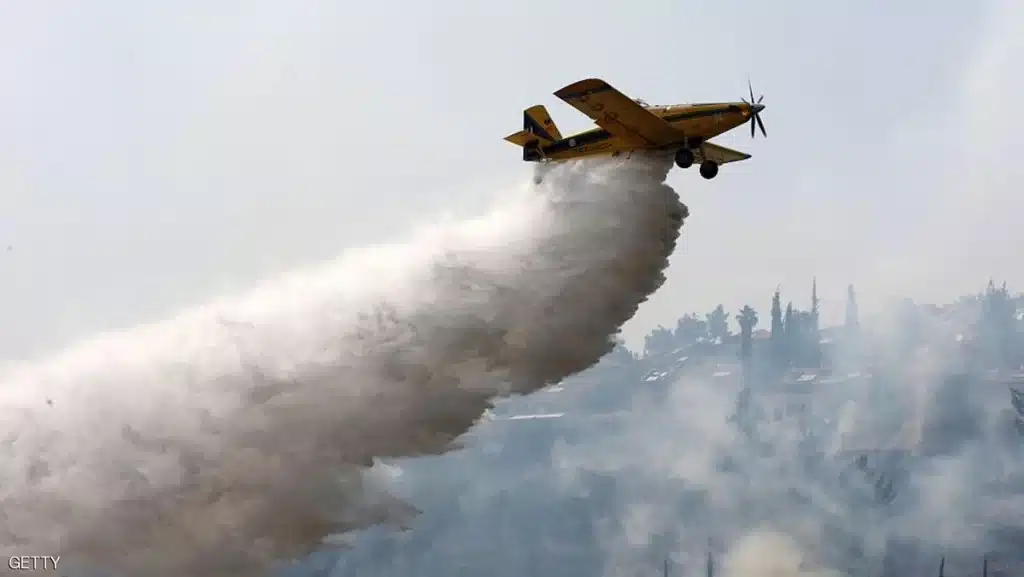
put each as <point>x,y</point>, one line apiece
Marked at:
<point>685,466</point>
<point>237,434</point>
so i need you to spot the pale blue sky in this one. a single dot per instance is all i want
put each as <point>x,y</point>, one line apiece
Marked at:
<point>153,155</point>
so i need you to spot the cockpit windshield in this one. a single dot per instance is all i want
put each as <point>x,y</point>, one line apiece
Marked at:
<point>650,106</point>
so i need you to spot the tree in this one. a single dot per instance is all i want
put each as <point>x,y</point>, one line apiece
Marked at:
<point>747,319</point>
<point>996,327</point>
<point>791,330</point>
<point>814,327</point>
<point>806,340</point>
<point>718,324</point>
<point>689,328</point>
<point>621,354</point>
<point>852,314</point>
<point>1017,402</point>
<point>659,341</point>
<point>778,332</point>
<point>814,302</point>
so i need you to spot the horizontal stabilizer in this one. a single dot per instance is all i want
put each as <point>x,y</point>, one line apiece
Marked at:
<point>522,138</point>
<point>720,154</point>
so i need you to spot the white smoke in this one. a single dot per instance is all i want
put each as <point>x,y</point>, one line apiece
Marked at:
<point>770,554</point>
<point>235,434</point>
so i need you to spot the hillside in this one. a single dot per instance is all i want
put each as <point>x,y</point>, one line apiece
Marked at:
<point>880,464</point>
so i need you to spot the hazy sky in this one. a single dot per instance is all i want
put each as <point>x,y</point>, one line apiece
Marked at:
<point>153,155</point>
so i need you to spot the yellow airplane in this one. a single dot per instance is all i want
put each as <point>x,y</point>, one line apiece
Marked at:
<point>627,125</point>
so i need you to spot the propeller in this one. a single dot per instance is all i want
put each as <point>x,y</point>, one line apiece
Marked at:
<point>756,108</point>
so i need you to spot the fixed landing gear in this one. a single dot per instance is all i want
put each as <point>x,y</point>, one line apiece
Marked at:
<point>708,169</point>
<point>684,158</point>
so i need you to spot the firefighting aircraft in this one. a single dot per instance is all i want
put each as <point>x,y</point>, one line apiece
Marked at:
<point>627,125</point>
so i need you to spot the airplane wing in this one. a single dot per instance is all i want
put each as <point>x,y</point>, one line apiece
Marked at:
<point>617,113</point>
<point>719,154</point>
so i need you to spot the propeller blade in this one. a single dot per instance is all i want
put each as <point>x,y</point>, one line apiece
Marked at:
<point>755,118</point>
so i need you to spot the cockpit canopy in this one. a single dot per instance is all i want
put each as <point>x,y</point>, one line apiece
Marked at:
<point>650,106</point>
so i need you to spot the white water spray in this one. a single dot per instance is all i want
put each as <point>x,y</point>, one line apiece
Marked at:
<point>234,435</point>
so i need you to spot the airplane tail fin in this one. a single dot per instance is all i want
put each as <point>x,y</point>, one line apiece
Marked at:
<point>537,120</point>
<point>538,129</point>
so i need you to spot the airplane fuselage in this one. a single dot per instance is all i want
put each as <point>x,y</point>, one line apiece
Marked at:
<point>696,123</point>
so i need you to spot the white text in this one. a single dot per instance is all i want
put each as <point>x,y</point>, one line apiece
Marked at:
<point>33,562</point>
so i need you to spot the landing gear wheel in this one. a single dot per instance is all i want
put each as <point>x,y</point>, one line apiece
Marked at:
<point>708,169</point>
<point>684,158</point>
